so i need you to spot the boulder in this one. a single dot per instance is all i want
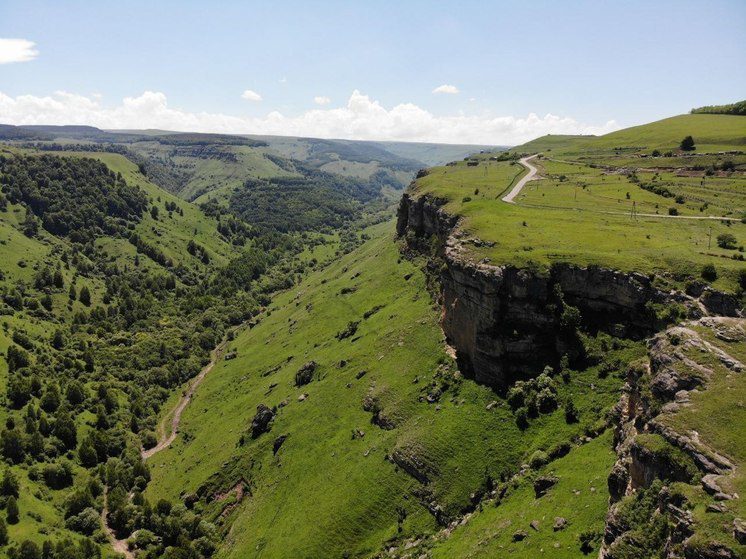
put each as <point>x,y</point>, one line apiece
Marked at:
<point>519,535</point>
<point>559,524</point>
<point>739,531</point>
<point>305,373</point>
<point>279,441</point>
<point>542,484</point>
<point>261,422</point>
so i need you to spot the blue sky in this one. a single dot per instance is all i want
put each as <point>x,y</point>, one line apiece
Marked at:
<point>592,65</point>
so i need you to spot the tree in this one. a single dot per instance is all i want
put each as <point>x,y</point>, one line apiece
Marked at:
<point>687,144</point>
<point>727,241</point>
<point>85,296</point>
<point>11,509</point>
<point>58,340</point>
<point>30,224</point>
<point>75,393</point>
<point>46,302</point>
<point>50,401</point>
<point>3,532</point>
<point>29,550</point>
<point>709,272</point>
<point>64,430</point>
<point>12,445</point>
<point>59,281</point>
<point>87,454</point>
<point>9,485</point>
<point>72,293</point>
<point>154,212</point>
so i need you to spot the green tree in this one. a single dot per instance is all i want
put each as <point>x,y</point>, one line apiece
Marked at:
<point>687,144</point>
<point>64,429</point>
<point>85,296</point>
<point>58,340</point>
<point>11,509</point>
<point>30,224</point>
<point>9,485</point>
<point>3,532</point>
<point>727,241</point>
<point>59,281</point>
<point>12,445</point>
<point>29,550</point>
<point>87,454</point>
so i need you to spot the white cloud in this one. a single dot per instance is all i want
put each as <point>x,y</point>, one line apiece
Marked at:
<point>362,118</point>
<point>17,50</point>
<point>321,100</point>
<point>250,95</point>
<point>447,89</point>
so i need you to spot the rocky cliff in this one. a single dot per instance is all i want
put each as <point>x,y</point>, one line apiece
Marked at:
<point>689,480</point>
<point>504,321</point>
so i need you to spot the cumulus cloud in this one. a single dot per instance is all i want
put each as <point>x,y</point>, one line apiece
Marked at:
<point>250,95</point>
<point>17,50</point>
<point>321,100</point>
<point>447,89</point>
<point>361,118</point>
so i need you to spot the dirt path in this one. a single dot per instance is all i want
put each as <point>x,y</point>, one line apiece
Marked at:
<point>532,174</point>
<point>185,399</point>
<point>521,183</point>
<point>120,546</point>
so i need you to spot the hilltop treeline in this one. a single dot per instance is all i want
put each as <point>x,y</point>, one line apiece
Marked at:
<point>738,108</point>
<point>73,197</point>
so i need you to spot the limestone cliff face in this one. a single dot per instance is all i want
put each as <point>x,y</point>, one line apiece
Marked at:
<point>505,321</point>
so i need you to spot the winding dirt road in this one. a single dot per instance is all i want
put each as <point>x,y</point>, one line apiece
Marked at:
<point>521,183</point>
<point>119,545</point>
<point>183,402</point>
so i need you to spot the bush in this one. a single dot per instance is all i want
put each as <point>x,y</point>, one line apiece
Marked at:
<point>727,241</point>
<point>87,522</point>
<point>673,211</point>
<point>571,412</point>
<point>687,144</point>
<point>11,508</point>
<point>521,418</point>
<point>709,272</point>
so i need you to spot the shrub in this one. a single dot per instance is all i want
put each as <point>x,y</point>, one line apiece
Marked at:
<point>521,418</point>
<point>687,144</point>
<point>727,241</point>
<point>11,508</point>
<point>516,397</point>
<point>709,272</point>
<point>673,211</point>
<point>571,412</point>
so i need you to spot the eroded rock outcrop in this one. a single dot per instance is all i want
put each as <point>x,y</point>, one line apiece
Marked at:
<point>504,320</point>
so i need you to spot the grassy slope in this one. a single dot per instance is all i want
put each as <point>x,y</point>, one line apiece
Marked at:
<point>710,133</point>
<point>586,218</point>
<point>580,497</point>
<point>324,493</point>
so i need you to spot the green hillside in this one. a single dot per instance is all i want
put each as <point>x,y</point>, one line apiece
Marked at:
<point>598,202</point>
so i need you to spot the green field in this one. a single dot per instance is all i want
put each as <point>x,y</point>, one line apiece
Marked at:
<point>595,213</point>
